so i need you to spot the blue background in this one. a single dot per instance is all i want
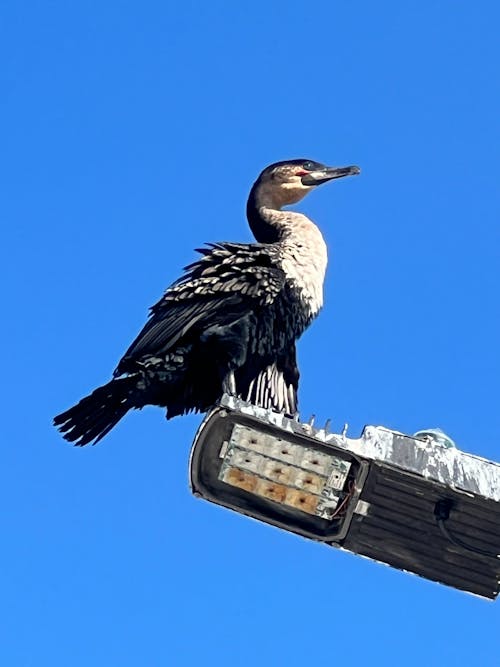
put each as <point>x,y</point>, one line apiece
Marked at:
<point>131,133</point>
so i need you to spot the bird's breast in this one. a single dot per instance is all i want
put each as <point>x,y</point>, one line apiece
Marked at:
<point>304,260</point>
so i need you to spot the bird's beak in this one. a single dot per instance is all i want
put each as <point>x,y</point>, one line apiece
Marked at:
<point>327,174</point>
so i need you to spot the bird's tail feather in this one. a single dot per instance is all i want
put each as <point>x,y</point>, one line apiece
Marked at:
<point>96,414</point>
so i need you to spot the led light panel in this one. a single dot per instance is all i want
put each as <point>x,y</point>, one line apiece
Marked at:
<point>288,474</point>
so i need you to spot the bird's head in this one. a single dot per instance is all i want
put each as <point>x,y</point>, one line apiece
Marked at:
<point>287,182</point>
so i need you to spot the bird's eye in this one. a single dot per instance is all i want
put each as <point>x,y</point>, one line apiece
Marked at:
<point>308,165</point>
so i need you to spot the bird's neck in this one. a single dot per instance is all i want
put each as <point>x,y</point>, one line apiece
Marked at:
<point>303,253</point>
<point>269,224</point>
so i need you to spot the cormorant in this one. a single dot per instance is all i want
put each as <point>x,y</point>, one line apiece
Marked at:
<point>230,323</point>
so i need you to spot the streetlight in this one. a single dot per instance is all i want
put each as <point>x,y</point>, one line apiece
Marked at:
<point>416,503</point>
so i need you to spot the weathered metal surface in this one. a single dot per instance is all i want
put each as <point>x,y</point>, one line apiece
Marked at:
<point>445,465</point>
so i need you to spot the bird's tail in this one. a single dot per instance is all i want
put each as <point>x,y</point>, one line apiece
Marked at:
<point>95,415</point>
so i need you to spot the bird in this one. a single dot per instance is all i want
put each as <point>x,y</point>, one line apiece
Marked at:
<point>230,323</point>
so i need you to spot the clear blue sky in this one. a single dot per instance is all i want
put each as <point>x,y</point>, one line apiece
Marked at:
<point>131,133</point>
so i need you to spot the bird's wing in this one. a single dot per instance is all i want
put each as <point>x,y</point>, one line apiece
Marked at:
<point>230,280</point>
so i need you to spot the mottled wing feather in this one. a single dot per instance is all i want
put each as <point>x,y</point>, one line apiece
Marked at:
<point>165,329</point>
<point>228,281</point>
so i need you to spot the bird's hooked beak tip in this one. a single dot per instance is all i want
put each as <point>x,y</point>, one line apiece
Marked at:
<point>328,174</point>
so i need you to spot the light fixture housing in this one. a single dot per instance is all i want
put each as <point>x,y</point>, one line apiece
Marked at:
<point>411,503</point>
